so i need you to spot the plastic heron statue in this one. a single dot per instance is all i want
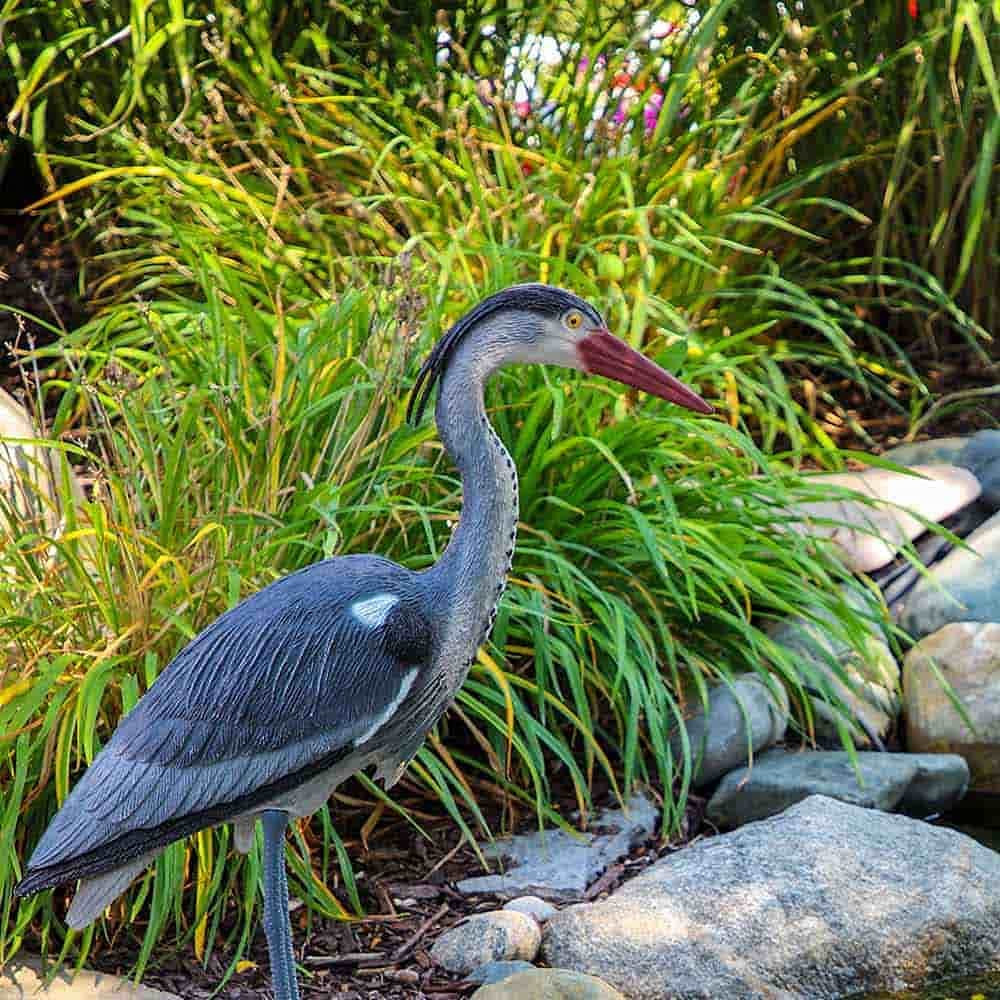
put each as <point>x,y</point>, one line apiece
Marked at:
<point>343,665</point>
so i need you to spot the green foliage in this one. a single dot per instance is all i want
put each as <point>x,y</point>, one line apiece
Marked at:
<point>235,445</point>
<point>916,101</point>
<point>279,233</point>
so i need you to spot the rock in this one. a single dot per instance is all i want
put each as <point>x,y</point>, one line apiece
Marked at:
<point>24,977</point>
<point>979,453</point>
<point>963,587</point>
<point>501,935</point>
<point>495,972</point>
<point>825,900</point>
<point>561,865</point>
<point>942,779</point>
<point>26,474</point>
<point>937,451</point>
<point>533,906</point>
<point>36,486</point>
<point>982,458</point>
<point>902,574</point>
<point>746,716</point>
<point>869,534</point>
<point>779,779</point>
<point>30,474</point>
<point>918,784</point>
<point>548,984</point>
<point>967,655</point>
<point>872,674</point>
<point>871,695</point>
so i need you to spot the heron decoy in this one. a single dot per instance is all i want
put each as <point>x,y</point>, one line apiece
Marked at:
<point>343,665</point>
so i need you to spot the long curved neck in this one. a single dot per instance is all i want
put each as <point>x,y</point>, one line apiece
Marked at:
<point>471,573</point>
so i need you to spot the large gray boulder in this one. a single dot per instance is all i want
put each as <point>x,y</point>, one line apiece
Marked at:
<point>825,900</point>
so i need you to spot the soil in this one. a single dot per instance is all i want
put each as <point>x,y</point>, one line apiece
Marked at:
<point>406,885</point>
<point>39,270</point>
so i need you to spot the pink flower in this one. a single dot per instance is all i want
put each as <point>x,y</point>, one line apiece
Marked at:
<point>583,66</point>
<point>522,108</point>
<point>651,111</point>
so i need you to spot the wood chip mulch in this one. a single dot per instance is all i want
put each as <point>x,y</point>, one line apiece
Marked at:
<point>409,893</point>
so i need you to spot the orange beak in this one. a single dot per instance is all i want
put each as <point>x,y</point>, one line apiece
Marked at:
<point>602,353</point>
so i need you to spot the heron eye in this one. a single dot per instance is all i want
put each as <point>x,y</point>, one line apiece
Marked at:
<point>574,320</point>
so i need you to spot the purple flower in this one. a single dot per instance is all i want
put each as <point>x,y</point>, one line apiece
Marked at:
<point>651,111</point>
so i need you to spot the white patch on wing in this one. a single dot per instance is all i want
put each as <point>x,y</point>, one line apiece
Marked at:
<point>384,717</point>
<point>372,611</point>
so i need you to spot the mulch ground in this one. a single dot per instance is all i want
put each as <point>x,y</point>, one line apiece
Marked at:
<point>407,887</point>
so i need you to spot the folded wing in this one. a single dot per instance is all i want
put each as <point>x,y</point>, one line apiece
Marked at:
<point>280,688</point>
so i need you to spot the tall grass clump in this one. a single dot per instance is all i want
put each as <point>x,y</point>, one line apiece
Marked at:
<point>231,448</point>
<point>278,234</point>
<point>911,145</point>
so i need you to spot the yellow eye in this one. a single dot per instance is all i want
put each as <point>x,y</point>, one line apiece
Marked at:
<point>574,320</point>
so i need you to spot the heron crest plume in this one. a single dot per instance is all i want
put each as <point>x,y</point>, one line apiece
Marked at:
<point>544,299</point>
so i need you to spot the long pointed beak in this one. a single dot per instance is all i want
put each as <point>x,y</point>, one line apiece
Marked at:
<point>602,353</point>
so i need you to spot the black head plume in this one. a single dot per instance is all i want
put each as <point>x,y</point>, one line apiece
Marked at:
<point>544,299</point>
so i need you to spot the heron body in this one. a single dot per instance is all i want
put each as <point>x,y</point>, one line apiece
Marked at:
<point>344,665</point>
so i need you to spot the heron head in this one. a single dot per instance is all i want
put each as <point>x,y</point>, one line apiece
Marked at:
<point>541,324</point>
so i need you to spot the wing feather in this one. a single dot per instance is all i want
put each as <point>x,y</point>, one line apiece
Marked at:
<point>282,683</point>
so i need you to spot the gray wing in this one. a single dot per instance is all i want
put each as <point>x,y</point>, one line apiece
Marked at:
<point>281,687</point>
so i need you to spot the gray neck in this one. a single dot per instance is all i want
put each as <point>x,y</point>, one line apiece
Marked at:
<point>471,573</point>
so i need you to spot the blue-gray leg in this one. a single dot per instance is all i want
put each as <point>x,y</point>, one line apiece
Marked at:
<point>277,925</point>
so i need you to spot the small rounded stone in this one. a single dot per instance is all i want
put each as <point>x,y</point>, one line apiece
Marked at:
<point>535,907</point>
<point>548,984</point>
<point>500,935</point>
<point>495,972</point>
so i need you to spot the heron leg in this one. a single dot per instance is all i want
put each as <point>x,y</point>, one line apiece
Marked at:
<point>277,925</point>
